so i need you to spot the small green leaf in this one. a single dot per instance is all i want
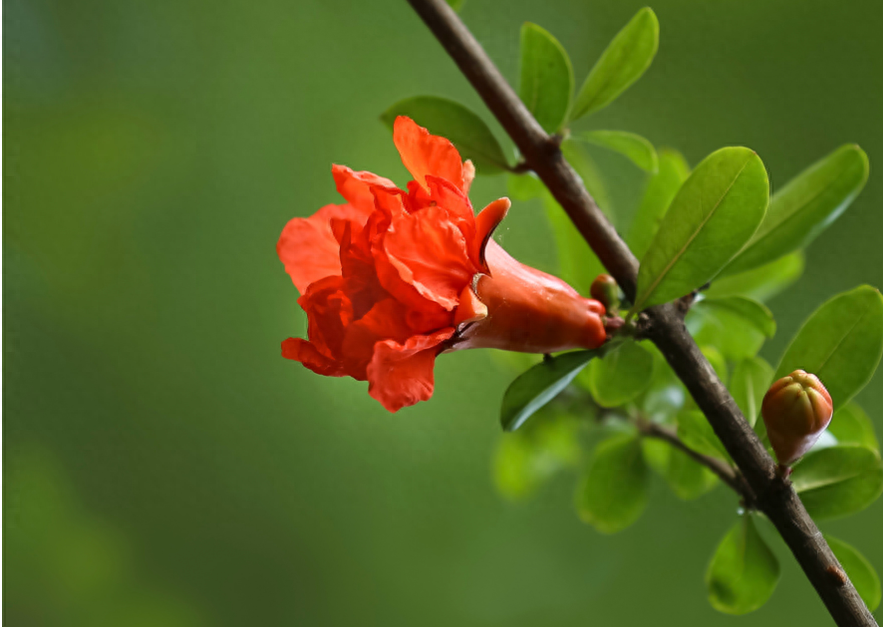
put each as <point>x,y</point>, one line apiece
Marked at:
<point>527,459</point>
<point>695,431</point>
<point>622,63</point>
<point>546,77</point>
<point>761,283</point>
<point>736,325</point>
<point>524,187</point>
<point>748,385</point>
<point>450,119</point>
<point>841,343</point>
<point>805,207</point>
<point>665,395</point>
<point>859,570</point>
<point>851,426</point>
<point>634,147</point>
<point>743,573</point>
<point>620,376</point>
<point>539,385</point>
<point>715,212</point>
<point>838,481</point>
<point>660,191</point>
<point>687,478</point>
<point>613,493</point>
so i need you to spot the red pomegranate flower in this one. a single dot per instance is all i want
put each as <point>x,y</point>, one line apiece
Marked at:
<point>392,278</point>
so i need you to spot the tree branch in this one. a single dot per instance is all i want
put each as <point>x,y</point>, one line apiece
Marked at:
<point>666,329</point>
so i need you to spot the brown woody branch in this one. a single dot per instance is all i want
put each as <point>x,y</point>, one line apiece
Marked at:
<point>774,496</point>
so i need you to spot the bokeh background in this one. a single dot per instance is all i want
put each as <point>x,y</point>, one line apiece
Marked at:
<point>165,466</point>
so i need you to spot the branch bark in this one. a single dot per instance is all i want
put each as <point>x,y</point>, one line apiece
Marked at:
<point>774,496</point>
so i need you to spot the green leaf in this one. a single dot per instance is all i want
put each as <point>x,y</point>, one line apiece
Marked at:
<point>457,5</point>
<point>695,431</point>
<point>528,458</point>
<point>805,207</point>
<point>665,396</point>
<point>546,77</point>
<point>613,493</point>
<point>622,63</point>
<point>620,376</point>
<point>748,385</point>
<point>761,283</point>
<point>838,481</point>
<point>585,166</point>
<point>841,343</point>
<point>539,385</point>
<point>715,212</point>
<point>743,573</point>
<point>450,119</point>
<point>717,361</point>
<point>851,426</point>
<point>736,325</point>
<point>859,570</point>
<point>634,147</point>
<point>524,187</point>
<point>687,478</point>
<point>660,191</point>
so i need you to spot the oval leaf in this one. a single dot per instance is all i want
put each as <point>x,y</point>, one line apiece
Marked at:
<point>546,77</point>
<point>761,283</point>
<point>613,493</point>
<point>695,431</point>
<point>622,63</point>
<point>750,381</point>
<point>743,573</point>
<point>838,481</point>
<point>859,570</point>
<point>851,426</point>
<point>687,478</point>
<point>450,119</point>
<point>671,173</point>
<point>736,325</point>
<point>539,385</point>
<point>634,147</point>
<point>805,207</point>
<point>620,376</point>
<point>715,212</point>
<point>841,343</point>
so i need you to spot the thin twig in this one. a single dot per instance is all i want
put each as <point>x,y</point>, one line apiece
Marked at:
<point>715,465</point>
<point>666,328</point>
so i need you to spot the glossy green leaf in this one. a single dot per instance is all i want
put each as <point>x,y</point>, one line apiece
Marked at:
<point>622,63</point>
<point>838,481</point>
<point>851,426</point>
<point>859,570</point>
<point>450,119</point>
<point>714,213</point>
<point>637,149</point>
<point>761,283</point>
<point>661,189</point>
<point>695,431</point>
<point>805,207</point>
<point>841,343</point>
<point>546,77</point>
<point>528,458</point>
<point>743,573</point>
<point>620,376</point>
<point>749,383</point>
<point>613,493</point>
<point>735,325</point>
<point>539,385</point>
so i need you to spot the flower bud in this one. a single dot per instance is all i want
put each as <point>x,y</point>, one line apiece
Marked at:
<point>796,410</point>
<point>605,289</point>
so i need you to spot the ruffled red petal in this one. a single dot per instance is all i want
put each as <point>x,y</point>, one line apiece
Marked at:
<point>423,153</point>
<point>385,321</point>
<point>308,248</point>
<point>357,187</point>
<point>401,375</point>
<point>303,351</point>
<point>329,312</point>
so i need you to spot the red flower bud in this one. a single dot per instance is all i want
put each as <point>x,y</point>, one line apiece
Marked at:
<point>605,289</point>
<point>796,410</point>
<point>393,278</point>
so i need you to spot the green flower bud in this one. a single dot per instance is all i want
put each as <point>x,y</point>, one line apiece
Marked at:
<point>605,290</point>
<point>796,410</point>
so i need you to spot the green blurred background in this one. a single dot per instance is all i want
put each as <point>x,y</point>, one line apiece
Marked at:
<point>165,466</point>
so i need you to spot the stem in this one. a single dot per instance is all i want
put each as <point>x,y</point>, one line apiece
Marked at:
<point>715,465</point>
<point>774,496</point>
